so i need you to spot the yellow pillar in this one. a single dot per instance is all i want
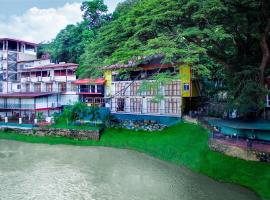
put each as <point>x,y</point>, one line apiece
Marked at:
<point>108,84</point>
<point>186,84</point>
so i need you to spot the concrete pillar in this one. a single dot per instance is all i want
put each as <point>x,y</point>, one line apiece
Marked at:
<point>6,119</point>
<point>20,120</point>
<point>35,121</point>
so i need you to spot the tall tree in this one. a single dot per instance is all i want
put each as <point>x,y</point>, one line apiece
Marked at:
<point>229,34</point>
<point>95,13</point>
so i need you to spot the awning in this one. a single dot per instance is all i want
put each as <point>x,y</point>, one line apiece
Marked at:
<point>99,81</point>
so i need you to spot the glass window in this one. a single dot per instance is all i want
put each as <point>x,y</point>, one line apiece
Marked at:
<point>93,88</point>
<point>186,87</point>
<point>99,89</point>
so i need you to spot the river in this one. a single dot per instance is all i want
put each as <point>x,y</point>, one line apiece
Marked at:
<point>45,172</point>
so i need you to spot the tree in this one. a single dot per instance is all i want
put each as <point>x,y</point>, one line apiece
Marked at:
<point>213,36</point>
<point>69,43</point>
<point>95,13</point>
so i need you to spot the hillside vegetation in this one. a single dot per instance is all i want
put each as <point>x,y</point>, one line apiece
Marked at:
<point>225,41</point>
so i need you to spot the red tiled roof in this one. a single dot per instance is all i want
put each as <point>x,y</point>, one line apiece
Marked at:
<point>26,95</point>
<point>99,81</point>
<point>16,40</point>
<point>53,66</point>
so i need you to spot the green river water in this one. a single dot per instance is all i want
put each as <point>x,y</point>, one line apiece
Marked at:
<point>45,172</point>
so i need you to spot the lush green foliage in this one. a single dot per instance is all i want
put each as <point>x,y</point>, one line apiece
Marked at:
<point>78,111</point>
<point>218,38</point>
<point>183,144</point>
<point>95,13</point>
<point>69,44</point>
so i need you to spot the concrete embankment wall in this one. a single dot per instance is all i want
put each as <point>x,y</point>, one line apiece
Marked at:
<point>74,134</point>
<point>238,152</point>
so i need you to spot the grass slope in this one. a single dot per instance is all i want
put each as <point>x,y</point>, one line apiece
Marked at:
<point>182,144</point>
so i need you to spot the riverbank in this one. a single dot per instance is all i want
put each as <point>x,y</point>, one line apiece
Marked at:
<point>185,144</point>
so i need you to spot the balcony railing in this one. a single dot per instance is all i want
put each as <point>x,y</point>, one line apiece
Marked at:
<point>48,79</point>
<point>50,89</point>
<point>10,106</point>
<point>17,106</point>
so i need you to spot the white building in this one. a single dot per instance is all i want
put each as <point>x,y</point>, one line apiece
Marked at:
<point>29,86</point>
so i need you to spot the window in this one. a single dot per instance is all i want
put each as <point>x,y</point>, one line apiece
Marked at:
<point>173,89</point>
<point>172,106</point>
<point>120,89</point>
<point>70,72</point>
<point>37,87</point>
<point>134,89</point>
<point>27,87</point>
<point>186,87</point>
<point>120,105</point>
<point>44,73</point>
<point>136,105</point>
<point>49,87</point>
<point>62,87</point>
<point>93,88</point>
<point>60,73</point>
<point>99,89</point>
<point>152,107</point>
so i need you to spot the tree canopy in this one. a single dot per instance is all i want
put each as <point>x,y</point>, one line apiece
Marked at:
<point>223,40</point>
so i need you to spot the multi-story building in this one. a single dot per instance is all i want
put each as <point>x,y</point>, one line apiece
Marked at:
<point>30,86</point>
<point>11,52</point>
<point>131,97</point>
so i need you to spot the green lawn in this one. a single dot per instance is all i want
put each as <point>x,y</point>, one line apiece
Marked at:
<point>184,144</point>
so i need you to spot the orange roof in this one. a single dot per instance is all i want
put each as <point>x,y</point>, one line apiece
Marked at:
<point>99,81</point>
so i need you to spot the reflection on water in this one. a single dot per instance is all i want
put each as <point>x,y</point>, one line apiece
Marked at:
<point>34,171</point>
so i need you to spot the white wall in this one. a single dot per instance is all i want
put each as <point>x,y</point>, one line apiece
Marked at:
<point>69,99</point>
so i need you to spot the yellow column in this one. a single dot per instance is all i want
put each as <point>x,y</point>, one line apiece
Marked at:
<point>186,85</point>
<point>108,85</point>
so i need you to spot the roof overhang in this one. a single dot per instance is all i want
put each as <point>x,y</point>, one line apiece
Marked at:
<point>21,41</point>
<point>26,95</point>
<point>99,81</point>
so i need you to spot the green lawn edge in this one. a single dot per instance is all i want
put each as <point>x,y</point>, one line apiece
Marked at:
<point>183,144</point>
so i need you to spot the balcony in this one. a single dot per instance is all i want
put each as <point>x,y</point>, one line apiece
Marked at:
<point>9,106</point>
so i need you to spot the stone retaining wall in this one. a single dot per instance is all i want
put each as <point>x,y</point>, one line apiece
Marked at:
<point>75,134</point>
<point>238,152</point>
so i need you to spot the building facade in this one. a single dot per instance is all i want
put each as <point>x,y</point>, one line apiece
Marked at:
<point>30,86</point>
<point>140,96</point>
<point>11,52</point>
